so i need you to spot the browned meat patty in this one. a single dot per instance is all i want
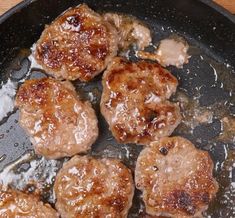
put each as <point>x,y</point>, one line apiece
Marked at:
<point>58,123</point>
<point>77,45</point>
<point>134,101</point>
<point>16,204</point>
<point>93,188</point>
<point>176,178</point>
<point>130,31</point>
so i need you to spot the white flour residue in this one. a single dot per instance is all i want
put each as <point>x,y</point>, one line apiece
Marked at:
<point>39,172</point>
<point>7,95</point>
<point>34,63</point>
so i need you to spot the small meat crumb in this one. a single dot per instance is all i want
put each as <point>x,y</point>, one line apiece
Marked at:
<point>171,51</point>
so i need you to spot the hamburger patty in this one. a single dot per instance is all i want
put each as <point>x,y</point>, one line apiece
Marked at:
<point>176,178</point>
<point>59,124</point>
<point>134,101</point>
<point>77,45</point>
<point>89,187</point>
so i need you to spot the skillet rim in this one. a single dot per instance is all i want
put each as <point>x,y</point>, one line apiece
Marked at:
<point>209,3</point>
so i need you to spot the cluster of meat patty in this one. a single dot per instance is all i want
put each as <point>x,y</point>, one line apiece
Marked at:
<point>175,177</point>
<point>80,43</point>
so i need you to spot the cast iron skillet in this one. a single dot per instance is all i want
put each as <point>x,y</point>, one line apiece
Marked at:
<point>208,78</point>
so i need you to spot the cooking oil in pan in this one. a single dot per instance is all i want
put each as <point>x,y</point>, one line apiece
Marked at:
<point>210,124</point>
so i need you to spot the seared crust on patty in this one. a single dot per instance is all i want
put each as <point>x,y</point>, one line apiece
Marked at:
<point>77,45</point>
<point>175,177</point>
<point>58,123</point>
<point>87,187</point>
<point>134,101</point>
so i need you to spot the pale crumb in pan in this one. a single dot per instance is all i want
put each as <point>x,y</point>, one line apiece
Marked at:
<point>7,94</point>
<point>130,31</point>
<point>171,51</point>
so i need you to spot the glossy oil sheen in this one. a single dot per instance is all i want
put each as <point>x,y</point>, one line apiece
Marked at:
<point>206,90</point>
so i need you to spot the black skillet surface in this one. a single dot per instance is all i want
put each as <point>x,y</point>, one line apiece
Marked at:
<point>207,83</point>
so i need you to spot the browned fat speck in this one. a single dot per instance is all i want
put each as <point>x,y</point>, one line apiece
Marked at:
<point>205,198</point>
<point>163,151</point>
<point>122,134</point>
<point>99,51</point>
<point>116,74</point>
<point>74,20</point>
<point>166,76</point>
<point>155,168</point>
<point>50,55</point>
<point>118,203</point>
<point>183,201</point>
